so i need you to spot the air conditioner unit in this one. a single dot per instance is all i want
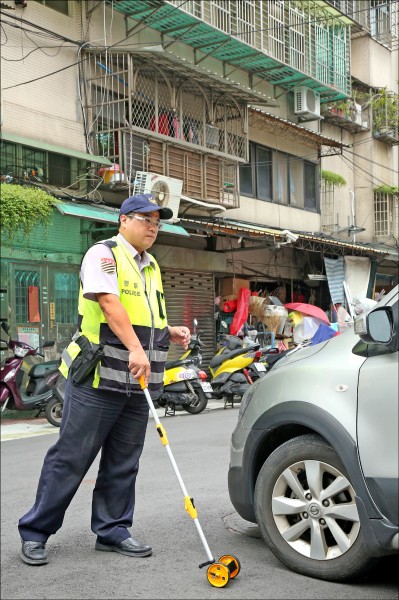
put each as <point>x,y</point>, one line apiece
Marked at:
<point>166,190</point>
<point>306,102</point>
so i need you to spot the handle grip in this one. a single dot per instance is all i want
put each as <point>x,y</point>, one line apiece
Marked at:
<point>142,382</point>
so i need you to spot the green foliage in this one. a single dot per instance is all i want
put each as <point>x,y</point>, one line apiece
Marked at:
<point>386,189</point>
<point>385,106</point>
<point>23,208</point>
<point>331,178</point>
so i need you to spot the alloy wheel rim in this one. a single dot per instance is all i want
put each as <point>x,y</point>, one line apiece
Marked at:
<point>314,509</point>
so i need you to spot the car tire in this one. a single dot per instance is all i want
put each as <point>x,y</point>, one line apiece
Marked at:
<point>290,490</point>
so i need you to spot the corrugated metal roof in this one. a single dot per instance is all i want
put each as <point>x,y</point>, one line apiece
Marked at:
<point>306,240</point>
<point>308,133</point>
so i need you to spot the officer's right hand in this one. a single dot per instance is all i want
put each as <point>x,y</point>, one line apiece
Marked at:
<point>139,364</point>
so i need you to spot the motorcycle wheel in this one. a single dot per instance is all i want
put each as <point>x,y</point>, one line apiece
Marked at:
<point>53,412</point>
<point>197,405</point>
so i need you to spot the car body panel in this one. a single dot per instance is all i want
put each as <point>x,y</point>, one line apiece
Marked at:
<point>296,379</point>
<point>346,391</point>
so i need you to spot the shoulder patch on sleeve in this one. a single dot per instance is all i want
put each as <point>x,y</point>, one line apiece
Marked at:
<point>108,265</point>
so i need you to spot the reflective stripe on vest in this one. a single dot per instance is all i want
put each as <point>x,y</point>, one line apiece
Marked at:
<point>145,307</point>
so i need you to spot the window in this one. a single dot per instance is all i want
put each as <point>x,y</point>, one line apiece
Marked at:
<point>386,215</point>
<point>256,175</point>
<point>380,21</point>
<point>24,280</point>
<point>246,185</point>
<point>66,297</point>
<point>263,173</point>
<point>280,172</point>
<point>279,177</point>
<point>311,187</point>
<point>296,187</point>
<point>8,159</point>
<point>59,5</point>
<point>27,163</point>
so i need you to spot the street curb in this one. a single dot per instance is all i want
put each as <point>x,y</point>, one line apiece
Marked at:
<point>25,428</point>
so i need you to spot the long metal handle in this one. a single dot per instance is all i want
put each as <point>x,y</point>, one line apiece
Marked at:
<point>188,501</point>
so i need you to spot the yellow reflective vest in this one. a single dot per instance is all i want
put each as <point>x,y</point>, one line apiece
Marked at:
<point>145,305</point>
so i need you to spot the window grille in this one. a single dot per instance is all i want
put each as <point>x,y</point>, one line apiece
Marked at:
<point>30,164</point>
<point>328,221</point>
<point>66,297</point>
<point>386,215</point>
<point>296,30</point>
<point>194,7</point>
<point>340,67</point>
<point>380,21</point>
<point>273,38</point>
<point>221,14</point>
<point>157,103</point>
<point>245,15</point>
<point>24,279</point>
<point>322,53</point>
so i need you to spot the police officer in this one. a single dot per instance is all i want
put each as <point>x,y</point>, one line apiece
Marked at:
<point>122,313</point>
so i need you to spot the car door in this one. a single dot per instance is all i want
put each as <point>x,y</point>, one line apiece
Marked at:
<point>378,423</point>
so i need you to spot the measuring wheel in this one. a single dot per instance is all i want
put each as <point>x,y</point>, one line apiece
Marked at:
<point>232,563</point>
<point>218,574</point>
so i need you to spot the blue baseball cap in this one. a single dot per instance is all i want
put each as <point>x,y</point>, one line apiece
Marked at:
<point>144,203</point>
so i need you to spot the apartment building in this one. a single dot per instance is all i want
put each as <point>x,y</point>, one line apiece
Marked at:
<point>227,111</point>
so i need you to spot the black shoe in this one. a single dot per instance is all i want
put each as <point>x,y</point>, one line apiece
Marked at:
<point>34,553</point>
<point>128,547</point>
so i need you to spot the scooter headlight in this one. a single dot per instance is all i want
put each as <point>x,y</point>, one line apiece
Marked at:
<point>20,352</point>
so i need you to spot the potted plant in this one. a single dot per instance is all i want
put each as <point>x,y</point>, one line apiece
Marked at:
<point>385,107</point>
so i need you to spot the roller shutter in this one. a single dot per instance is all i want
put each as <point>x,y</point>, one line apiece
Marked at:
<point>190,295</point>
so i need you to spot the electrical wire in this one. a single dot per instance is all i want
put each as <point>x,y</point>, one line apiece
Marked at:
<point>75,42</point>
<point>373,162</point>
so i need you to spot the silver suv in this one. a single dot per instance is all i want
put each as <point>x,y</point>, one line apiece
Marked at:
<point>314,455</point>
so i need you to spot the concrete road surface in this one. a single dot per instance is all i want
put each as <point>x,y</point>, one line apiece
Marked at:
<point>200,445</point>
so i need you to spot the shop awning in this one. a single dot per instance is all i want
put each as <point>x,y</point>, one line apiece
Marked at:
<point>305,241</point>
<point>25,141</point>
<point>107,214</point>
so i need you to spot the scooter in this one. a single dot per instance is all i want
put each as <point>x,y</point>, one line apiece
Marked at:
<point>184,381</point>
<point>37,392</point>
<point>53,408</point>
<point>229,368</point>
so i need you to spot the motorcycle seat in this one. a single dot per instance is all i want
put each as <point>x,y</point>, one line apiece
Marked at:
<point>220,358</point>
<point>179,362</point>
<point>43,369</point>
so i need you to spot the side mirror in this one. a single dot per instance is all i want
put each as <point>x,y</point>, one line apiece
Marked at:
<point>375,327</point>
<point>5,326</point>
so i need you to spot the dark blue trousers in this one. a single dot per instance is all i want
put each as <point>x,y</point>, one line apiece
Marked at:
<point>92,420</point>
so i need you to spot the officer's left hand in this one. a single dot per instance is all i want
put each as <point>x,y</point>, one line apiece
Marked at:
<point>180,335</point>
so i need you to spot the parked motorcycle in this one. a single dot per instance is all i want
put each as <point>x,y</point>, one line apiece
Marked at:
<point>184,381</point>
<point>38,391</point>
<point>229,368</point>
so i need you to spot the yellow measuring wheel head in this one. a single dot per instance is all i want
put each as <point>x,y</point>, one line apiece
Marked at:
<point>218,575</point>
<point>232,563</point>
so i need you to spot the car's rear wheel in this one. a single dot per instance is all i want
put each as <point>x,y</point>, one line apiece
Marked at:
<point>306,511</point>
